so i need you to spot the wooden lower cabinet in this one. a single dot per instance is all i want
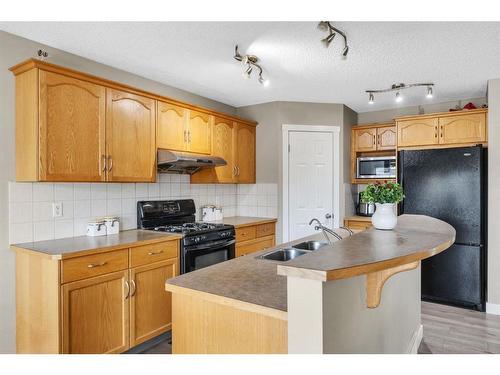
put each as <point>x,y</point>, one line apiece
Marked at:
<point>358,223</point>
<point>102,313</point>
<point>150,304</point>
<point>95,315</point>
<point>253,238</point>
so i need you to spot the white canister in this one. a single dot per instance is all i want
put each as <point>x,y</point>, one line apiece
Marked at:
<point>219,216</point>
<point>208,213</point>
<point>96,228</point>
<point>112,224</point>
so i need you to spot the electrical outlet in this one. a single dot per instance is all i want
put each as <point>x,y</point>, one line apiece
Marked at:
<point>57,209</point>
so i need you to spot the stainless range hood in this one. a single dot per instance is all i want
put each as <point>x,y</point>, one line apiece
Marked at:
<point>181,162</point>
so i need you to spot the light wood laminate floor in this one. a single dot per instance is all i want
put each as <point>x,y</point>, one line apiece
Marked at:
<point>447,330</point>
<point>454,330</point>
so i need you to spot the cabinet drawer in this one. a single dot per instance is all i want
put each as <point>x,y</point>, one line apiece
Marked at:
<point>263,230</point>
<point>358,225</point>
<point>245,234</point>
<point>93,265</point>
<point>147,254</point>
<point>254,245</point>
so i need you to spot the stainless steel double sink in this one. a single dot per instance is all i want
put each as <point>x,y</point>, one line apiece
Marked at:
<point>292,252</point>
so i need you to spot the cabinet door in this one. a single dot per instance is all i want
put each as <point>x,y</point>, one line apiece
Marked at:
<point>200,132</point>
<point>418,132</point>
<point>245,153</point>
<point>130,137</point>
<point>171,126</point>
<point>150,303</point>
<point>95,315</point>
<point>386,138</point>
<point>467,128</point>
<point>223,146</point>
<point>365,139</point>
<point>72,124</point>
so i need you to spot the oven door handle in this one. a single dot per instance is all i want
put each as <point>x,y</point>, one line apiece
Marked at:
<point>212,245</point>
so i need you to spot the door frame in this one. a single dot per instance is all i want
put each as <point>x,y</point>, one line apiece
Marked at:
<point>286,129</point>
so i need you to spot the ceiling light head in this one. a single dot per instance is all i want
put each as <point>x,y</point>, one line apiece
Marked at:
<point>326,41</point>
<point>248,71</point>
<point>323,25</point>
<point>371,98</point>
<point>429,92</point>
<point>263,82</point>
<point>345,51</point>
<point>399,98</point>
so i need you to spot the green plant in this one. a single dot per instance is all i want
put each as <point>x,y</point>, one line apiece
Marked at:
<point>388,192</point>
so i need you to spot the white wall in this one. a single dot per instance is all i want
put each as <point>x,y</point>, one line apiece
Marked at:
<point>493,299</point>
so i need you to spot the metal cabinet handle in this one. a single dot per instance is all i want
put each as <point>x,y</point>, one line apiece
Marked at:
<point>185,136</point>
<point>93,265</point>
<point>128,289</point>
<point>234,170</point>
<point>189,136</point>
<point>237,171</point>
<point>374,136</point>
<point>134,288</point>
<point>155,252</point>
<point>103,163</point>
<point>110,158</point>
<point>441,131</point>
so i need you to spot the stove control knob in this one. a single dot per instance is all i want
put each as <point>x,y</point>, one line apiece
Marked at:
<point>196,239</point>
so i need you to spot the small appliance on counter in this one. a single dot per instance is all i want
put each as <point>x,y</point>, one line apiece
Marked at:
<point>112,224</point>
<point>376,167</point>
<point>365,209</point>
<point>210,213</point>
<point>96,228</point>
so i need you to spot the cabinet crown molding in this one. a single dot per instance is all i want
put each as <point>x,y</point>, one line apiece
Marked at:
<point>44,65</point>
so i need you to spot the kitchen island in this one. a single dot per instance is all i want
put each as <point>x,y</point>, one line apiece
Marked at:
<point>357,295</point>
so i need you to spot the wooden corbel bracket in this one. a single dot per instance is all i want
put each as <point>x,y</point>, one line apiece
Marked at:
<point>375,282</point>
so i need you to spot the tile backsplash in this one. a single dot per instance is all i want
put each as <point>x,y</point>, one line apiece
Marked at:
<point>30,204</point>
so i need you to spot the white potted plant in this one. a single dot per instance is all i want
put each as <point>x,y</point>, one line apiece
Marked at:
<point>385,196</point>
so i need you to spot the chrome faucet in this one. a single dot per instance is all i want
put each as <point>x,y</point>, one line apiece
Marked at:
<point>325,230</point>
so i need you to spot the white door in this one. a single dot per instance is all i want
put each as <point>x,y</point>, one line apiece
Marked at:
<point>310,181</point>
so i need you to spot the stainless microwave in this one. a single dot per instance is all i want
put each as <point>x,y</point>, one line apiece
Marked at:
<point>377,167</point>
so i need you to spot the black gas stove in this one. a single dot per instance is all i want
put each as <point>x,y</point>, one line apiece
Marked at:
<point>202,244</point>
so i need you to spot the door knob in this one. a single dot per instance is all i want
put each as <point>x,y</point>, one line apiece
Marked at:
<point>328,216</point>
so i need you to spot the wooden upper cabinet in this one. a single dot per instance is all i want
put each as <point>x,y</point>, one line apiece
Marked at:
<point>171,127</point>
<point>130,137</point>
<point>365,139</point>
<point>199,132</point>
<point>418,132</point>
<point>386,138</point>
<point>224,147</point>
<point>245,153</point>
<point>465,128</point>
<point>150,304</point>
<point>95,315</point>
<point>71,129</point>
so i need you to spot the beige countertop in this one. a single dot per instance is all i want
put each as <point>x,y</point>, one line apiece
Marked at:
<point>263,282</point>
<point>76,246</point>
<point>245,221</point>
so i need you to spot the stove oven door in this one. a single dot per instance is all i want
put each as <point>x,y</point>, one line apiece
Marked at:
<point>195,257</point>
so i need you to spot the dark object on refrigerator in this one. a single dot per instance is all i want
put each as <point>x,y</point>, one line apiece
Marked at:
<point>450,185</point>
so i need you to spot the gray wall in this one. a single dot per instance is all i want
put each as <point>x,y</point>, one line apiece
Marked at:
<point>332,317</point>
<point>389,114</point>
<point>494,193</point>
<point>13,50</point>
<point>271,116</point>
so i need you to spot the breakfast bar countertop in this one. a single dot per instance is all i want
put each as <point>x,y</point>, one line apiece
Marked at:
<point>253,280</point>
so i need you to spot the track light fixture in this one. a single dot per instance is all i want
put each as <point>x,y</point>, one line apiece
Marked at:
<point>398,87</point>
<point>249,62</point>
<point>332,31</point>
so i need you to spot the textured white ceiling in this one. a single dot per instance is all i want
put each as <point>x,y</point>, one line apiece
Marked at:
<point>197,56</point>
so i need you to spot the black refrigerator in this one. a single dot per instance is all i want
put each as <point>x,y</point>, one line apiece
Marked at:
<point>450,184</point>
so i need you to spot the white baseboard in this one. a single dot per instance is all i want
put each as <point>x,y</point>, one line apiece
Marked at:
<point>415,341</point>
<point>492,308</point>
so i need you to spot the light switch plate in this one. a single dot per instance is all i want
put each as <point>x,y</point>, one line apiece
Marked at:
<point>57,209</point>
